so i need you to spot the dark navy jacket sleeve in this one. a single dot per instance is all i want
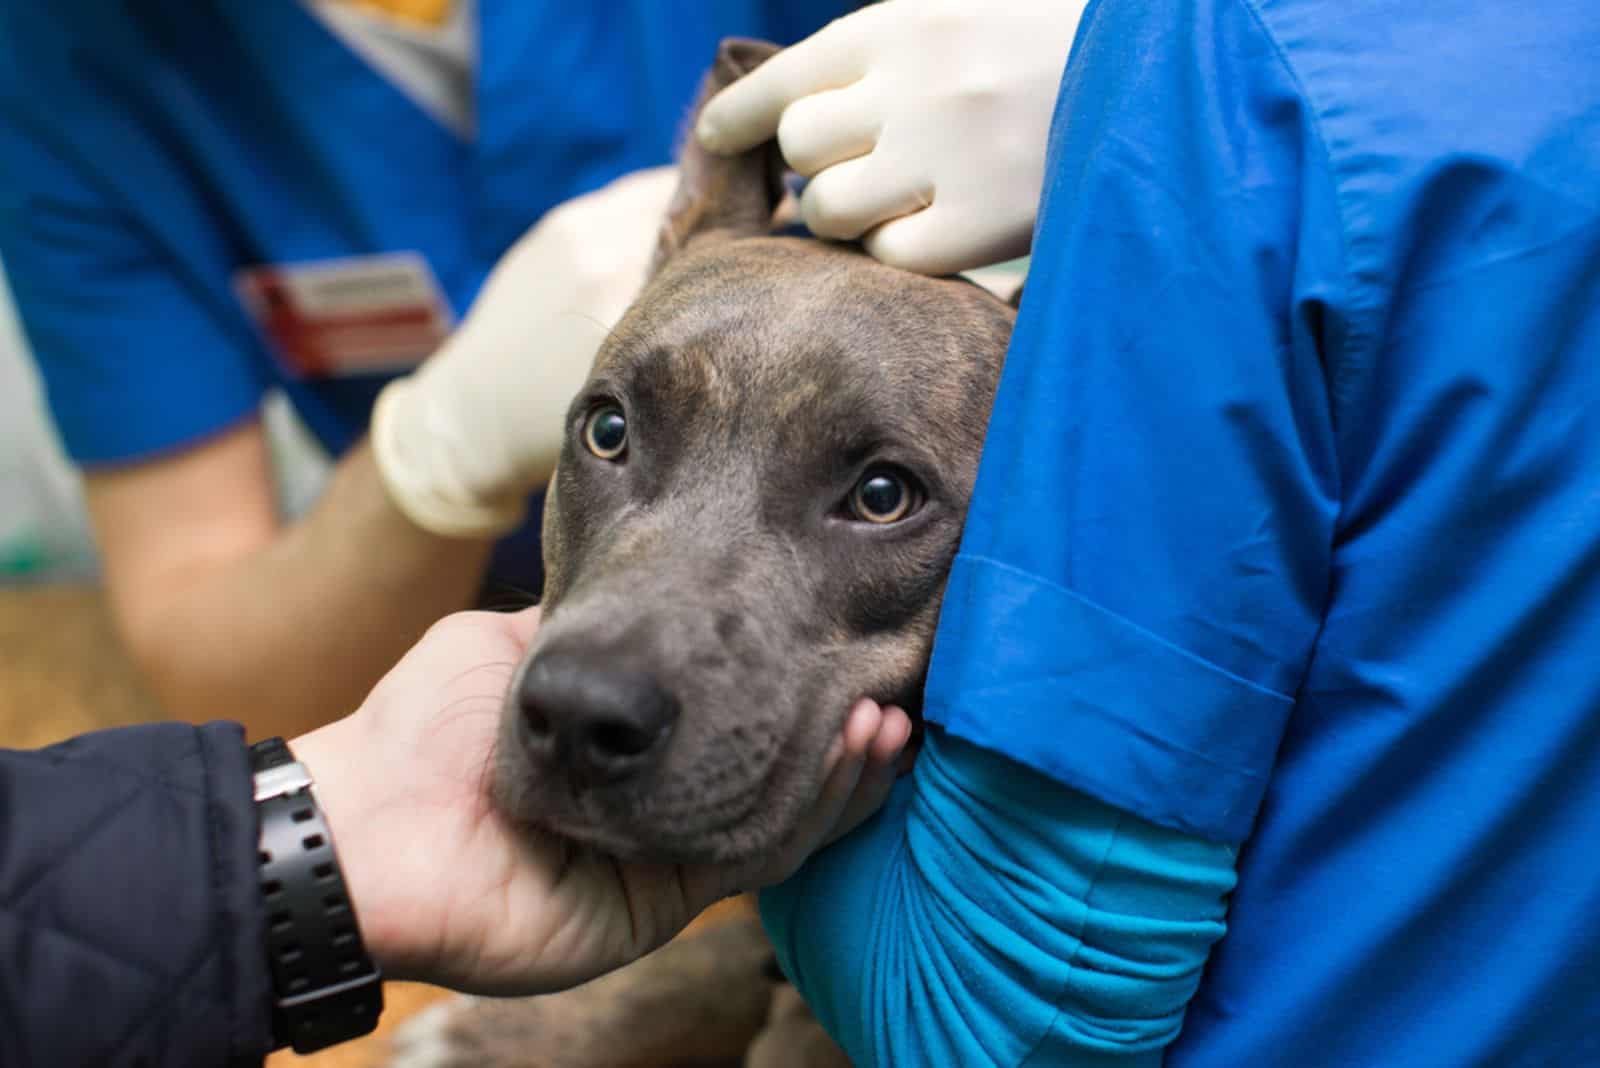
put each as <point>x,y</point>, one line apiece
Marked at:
<point>130,915</point>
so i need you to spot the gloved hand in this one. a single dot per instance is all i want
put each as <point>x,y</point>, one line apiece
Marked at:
<point>921,123</point>
<point>464,440</point>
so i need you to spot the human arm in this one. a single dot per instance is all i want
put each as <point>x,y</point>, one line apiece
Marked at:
<point>884,109</point>
<point>449,892</point>
<point>224,604</point>
<point>990,914</point>
<point>131,905</point>
<point>283,625</point>
<point>288,623</point>
<point>1146,559</point>
<point>155,383</point>
<point>130,915</point>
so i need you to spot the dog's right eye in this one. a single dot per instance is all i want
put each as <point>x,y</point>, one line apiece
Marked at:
<point>884,495</point>
<point>605,432</point>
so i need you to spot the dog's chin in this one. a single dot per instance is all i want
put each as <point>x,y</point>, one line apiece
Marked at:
<point>734,845</point>
<point>749,827</point>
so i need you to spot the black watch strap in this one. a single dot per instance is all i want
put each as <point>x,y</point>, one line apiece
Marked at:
<point>327,990</point>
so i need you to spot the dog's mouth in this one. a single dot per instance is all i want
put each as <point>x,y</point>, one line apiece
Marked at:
<point>711,804</point>
<point>710,844</point>
<point>630,825</point>
<point>644,726</point>
<point>722,833</point>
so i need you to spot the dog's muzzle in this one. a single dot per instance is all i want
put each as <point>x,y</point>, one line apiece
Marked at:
<point>598,724</point>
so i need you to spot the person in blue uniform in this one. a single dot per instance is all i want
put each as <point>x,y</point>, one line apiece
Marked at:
<point>1277,608</point>
<point>202,203</point>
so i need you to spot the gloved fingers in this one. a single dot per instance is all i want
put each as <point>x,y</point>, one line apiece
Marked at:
<point>828,128</point>
<point>747,113</point>
<point>428,490</point>
<point>850,198</point>
<point>943,242</point>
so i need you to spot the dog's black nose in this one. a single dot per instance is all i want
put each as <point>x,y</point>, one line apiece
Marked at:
<point>602,723</point>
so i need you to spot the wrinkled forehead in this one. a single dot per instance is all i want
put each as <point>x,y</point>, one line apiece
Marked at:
<point>794,329</point>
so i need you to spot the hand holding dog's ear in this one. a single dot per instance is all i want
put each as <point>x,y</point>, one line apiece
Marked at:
<point>922,125</point>
<point>723,196</point>
<point>463,441</point>
<point>449,893</point>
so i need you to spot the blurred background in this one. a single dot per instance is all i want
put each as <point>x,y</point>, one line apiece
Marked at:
<point>62,671</point>
<point>44,534</point>
<point>44,531</point>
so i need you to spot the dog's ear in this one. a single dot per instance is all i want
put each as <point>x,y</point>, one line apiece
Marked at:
<point>722,197</point>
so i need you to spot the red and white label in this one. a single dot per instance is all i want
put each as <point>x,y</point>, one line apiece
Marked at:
<point>353,316</point>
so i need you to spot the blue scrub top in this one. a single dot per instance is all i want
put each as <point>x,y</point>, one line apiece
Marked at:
<point>1288,527</point>
<point>150,150</point>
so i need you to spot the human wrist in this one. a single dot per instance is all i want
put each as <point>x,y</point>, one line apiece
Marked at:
<point>333,756</point>
<point>326,988</point>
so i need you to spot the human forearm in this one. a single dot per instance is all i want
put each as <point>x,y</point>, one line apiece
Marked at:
<point>990,911</point>
<point>293,634</point>
<point>130,916</point>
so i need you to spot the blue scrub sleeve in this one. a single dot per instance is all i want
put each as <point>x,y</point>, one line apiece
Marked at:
<point>991,915</point>
<point>1147,553</point>
<point>137,339</point>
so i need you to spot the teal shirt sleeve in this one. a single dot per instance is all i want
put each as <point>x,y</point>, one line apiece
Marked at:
<point>991,915</point>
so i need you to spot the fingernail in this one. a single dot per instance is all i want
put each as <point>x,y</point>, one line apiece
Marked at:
<point>865,722</point>
<point>706,133</point>
<point>709,134</point>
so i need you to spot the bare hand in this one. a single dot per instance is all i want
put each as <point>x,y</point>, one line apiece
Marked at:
<point>447,892</point>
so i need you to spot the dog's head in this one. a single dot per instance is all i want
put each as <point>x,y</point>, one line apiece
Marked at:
<point>761,492</point>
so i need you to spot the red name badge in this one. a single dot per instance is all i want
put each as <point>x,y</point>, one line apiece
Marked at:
<point>352,316</point>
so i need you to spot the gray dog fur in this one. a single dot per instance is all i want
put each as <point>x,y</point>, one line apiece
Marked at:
<point>760,377</point>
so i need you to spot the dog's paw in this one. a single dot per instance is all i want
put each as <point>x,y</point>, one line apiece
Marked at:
<point>469,1032</point>
<point>427,1039</point>
<point>699,1000</point>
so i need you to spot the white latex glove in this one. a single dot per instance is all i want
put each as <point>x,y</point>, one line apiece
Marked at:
<point>922,125</point>
<point>464,440</point>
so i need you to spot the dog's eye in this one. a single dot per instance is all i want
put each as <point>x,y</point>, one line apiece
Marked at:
<point>883,495</point>
<point>605,432</point>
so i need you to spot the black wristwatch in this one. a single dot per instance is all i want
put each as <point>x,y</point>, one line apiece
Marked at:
<point>326,989</point>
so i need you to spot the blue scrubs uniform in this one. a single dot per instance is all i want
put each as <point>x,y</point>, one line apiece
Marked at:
<point>1287,535</point>
<point>150,151</point>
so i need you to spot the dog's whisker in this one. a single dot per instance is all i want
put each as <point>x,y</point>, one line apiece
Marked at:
<point>486,770</point>
<point>508,597</point>
<point>468,707</point>
<point>605,331</point>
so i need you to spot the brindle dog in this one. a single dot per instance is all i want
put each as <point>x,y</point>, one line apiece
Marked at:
<point>760,495</point>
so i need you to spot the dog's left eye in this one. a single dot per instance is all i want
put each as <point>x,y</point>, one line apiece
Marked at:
<point>605,432</point>
<point>884,495</point>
